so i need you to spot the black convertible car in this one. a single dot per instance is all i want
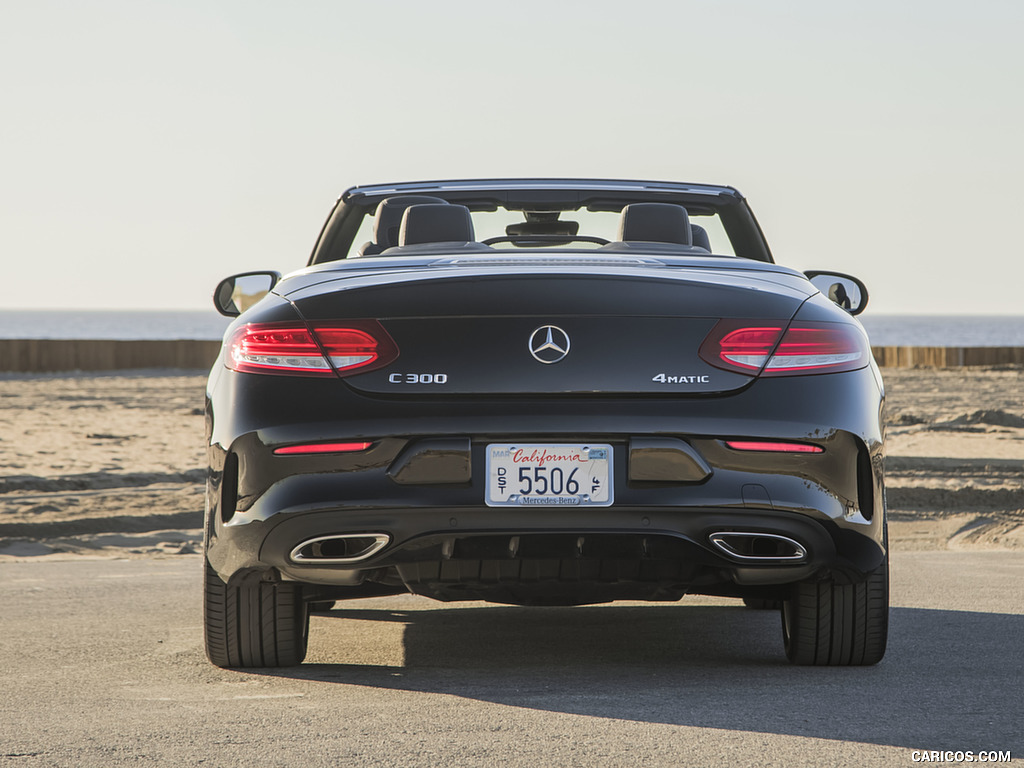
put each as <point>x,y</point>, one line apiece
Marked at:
<point>544,392</point>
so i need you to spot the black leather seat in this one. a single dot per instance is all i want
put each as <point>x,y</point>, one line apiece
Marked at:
<point>700,238</point>
<point>655,223</point>
<point>388,221</point>
<point>436,224</point>
<point>436,228</point>
<point>655,226</point>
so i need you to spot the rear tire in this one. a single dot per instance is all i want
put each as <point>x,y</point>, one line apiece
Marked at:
<point>255,623</point>
<point>830,624</point>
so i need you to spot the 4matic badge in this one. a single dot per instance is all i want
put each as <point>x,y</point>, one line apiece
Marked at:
<point>662,378</point>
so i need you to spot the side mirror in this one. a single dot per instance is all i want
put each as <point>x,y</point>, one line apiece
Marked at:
<point>237,293</point>
<point>845,290</point>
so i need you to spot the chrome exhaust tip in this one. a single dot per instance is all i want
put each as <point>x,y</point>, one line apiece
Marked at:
<point>340,549</point>
<point>759,547</point>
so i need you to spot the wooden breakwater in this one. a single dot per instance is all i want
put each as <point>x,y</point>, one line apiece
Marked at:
<point>946,357</point>
<point>55,355</point>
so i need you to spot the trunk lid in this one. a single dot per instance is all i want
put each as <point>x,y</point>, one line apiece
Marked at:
<point>500,331</point>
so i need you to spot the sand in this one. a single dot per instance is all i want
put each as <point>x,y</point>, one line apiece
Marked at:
<point>113,464</point>
<point>106,464</point>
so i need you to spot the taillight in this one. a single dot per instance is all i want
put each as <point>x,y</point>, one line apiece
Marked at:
<point>747,348</point>
<point>818,348</point>
<point>771,350</point>
<point>292,349</point>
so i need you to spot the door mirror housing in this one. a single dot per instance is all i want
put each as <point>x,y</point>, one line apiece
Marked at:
<point>845,290</point>
<point>237,293</point>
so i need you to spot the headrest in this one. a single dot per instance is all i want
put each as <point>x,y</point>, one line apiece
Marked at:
<point>700,237</point>
<point>436,224</point>
<point>655,223</point>
<point>388,220</point>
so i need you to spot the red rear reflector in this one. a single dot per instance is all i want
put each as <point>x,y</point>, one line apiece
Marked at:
<point>750,445</point>
<point>290,450</point>
<point>291,349</point>
<point>759,348</point>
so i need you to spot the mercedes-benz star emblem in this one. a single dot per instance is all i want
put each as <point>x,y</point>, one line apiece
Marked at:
<point>549,344</point>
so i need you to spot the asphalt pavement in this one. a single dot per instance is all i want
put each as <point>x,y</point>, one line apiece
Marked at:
<point>101,664</point>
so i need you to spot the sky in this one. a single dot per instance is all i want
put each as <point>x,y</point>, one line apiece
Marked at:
<point>150,148</point>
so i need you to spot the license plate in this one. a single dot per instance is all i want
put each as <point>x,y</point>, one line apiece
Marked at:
<point>545,475</point>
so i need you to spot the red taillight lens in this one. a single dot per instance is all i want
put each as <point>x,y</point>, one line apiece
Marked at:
<point>265,348</point>
<point>348,347</point>
<point>804,348</point>
<point>748,348</point>
<point>821,348</point>
<point>292,349</point>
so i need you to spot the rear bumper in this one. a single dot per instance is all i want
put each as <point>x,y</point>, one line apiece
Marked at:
<point>556,555</point>
<point>653,542</point>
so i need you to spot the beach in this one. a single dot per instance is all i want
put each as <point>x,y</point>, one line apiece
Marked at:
<point>113,465</point>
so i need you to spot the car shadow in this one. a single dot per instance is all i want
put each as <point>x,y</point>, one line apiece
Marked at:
<point>950,679</point>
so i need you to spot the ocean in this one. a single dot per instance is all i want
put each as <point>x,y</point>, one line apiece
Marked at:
<point>884,330</point>
<point>944,330</point>
<point>110,324</point>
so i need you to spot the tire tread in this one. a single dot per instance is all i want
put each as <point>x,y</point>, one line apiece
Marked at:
<point>254,623</point>
<point>831,624</point>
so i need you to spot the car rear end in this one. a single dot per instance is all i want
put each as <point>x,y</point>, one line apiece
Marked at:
<point>546,433</point>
